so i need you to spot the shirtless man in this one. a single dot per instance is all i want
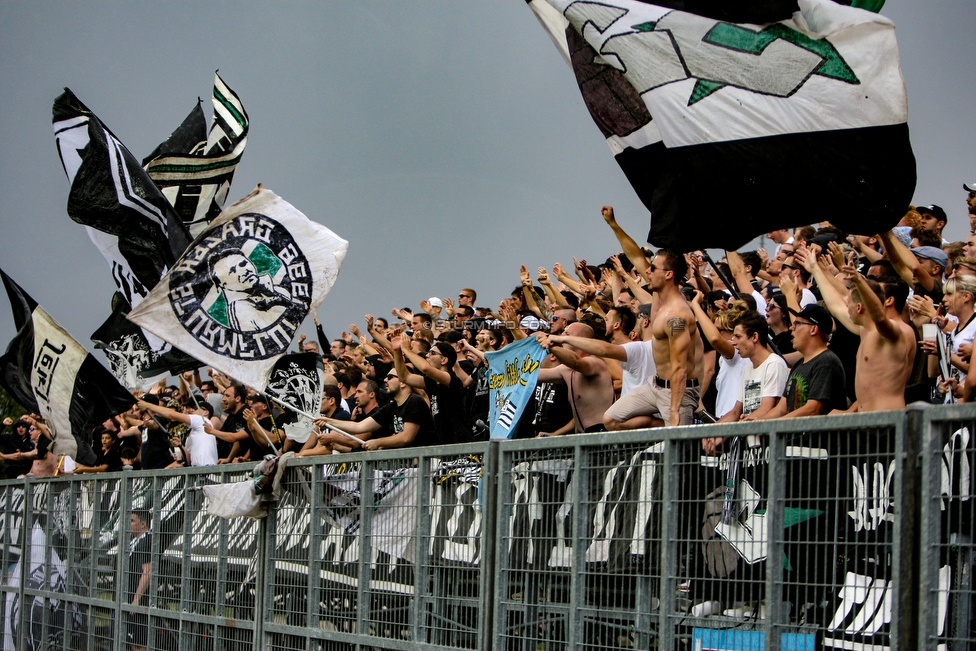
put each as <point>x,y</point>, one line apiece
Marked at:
<point>634,358</point>
<point>673,392</point>
<point>887,350</point>
<point>586,376</point>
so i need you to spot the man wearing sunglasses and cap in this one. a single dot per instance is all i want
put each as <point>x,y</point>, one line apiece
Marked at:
<point>816,384</point>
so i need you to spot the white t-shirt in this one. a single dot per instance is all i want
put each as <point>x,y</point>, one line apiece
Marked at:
<point>964,334</point>
<point>760,303</point>
<point>638,367</point>
<point>201,446</point>
<point>727,382</point>
<point>806,298</point>
<point>767,381</point>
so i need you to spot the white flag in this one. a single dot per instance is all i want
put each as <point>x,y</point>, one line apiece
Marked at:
<point>239,293</point>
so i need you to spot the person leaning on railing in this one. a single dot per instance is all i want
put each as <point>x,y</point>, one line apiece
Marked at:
<point>407,416</point>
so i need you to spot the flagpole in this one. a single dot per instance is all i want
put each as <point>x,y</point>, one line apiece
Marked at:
<point>332,427</point>
<point>718,272</point>
<point>268,439</point>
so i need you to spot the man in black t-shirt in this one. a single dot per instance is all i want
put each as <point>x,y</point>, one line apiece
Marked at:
<point>262,429</point>
<point>154,449</point>
<point>407,416</point>
<point>442,385</point>
<point>816,384</point>
<point>327,442</point>
<point>13,444</point>
<point>138,574</point>
<point>233,433</point>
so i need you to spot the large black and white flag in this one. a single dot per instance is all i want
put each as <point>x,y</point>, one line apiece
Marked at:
<point>194,170</point>
<point>51,374</point>
<point>296,382</point>
<point>126,215</point>
<point>127,218</point>
<point>728,130</point>
<point>237,297</point>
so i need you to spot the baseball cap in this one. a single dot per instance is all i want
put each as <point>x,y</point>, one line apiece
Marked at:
<point>932,253</point>
<point>436,302</point>
<point>817,315</point>
<point>935,211</point>
<point>824,239</point>
<point>970,187</point>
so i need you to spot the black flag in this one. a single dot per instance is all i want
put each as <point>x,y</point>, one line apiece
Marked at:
<point>51,374</point>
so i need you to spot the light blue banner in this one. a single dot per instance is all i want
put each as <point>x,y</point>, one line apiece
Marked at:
<point>512,374</point>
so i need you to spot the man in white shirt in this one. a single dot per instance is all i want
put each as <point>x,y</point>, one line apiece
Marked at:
<point>763,381</point>
<point>201,447</point>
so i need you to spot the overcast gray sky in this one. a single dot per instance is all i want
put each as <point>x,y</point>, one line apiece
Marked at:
<point>446,141</point>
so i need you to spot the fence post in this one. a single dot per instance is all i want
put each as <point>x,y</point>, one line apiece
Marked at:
<point>777,616</point>
<point>261,577</point>
<point>489,501</point>
<point>25,553</point>
<point>670,539</point>
<point>905,566</point>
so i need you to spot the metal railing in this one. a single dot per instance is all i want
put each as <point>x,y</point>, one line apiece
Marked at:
<point>840,532</point>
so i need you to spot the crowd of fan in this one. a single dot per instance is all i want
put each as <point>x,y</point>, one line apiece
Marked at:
<point>824,323</point>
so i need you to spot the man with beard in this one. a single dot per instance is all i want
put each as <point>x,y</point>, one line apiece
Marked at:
<point>233,433</point>
<point>253,303</point>
<point>443,386</point>
<point>407,416</point>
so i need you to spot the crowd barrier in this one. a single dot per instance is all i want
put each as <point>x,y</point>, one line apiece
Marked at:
<point>846,532</point>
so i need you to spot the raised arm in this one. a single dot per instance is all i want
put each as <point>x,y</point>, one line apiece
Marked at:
<point>165,412</point>
<point>738,269</point>
<point>723,346</point>
<point>904,261</point>
<point>592,346</point>
<point>403,373</point>
<point>835,300</point>
<point>554,295</point>
<point>638,292</point>
<point>324,343</point>
<point>873,306</point>
<point>566,279</point>
<point>377,336</point>
<point>630,248</point>
<point>528,292</point>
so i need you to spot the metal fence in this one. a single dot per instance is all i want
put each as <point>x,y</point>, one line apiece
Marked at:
<point>849,532</point>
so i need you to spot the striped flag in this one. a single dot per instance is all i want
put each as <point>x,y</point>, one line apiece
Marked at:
<point>195,173</point>
<point>129,221</point>
<point>127,217</point>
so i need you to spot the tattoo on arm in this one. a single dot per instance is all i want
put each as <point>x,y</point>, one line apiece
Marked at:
<point>677,324</point>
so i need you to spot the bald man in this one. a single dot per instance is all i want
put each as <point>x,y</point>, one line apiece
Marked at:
<point>587,377</point>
